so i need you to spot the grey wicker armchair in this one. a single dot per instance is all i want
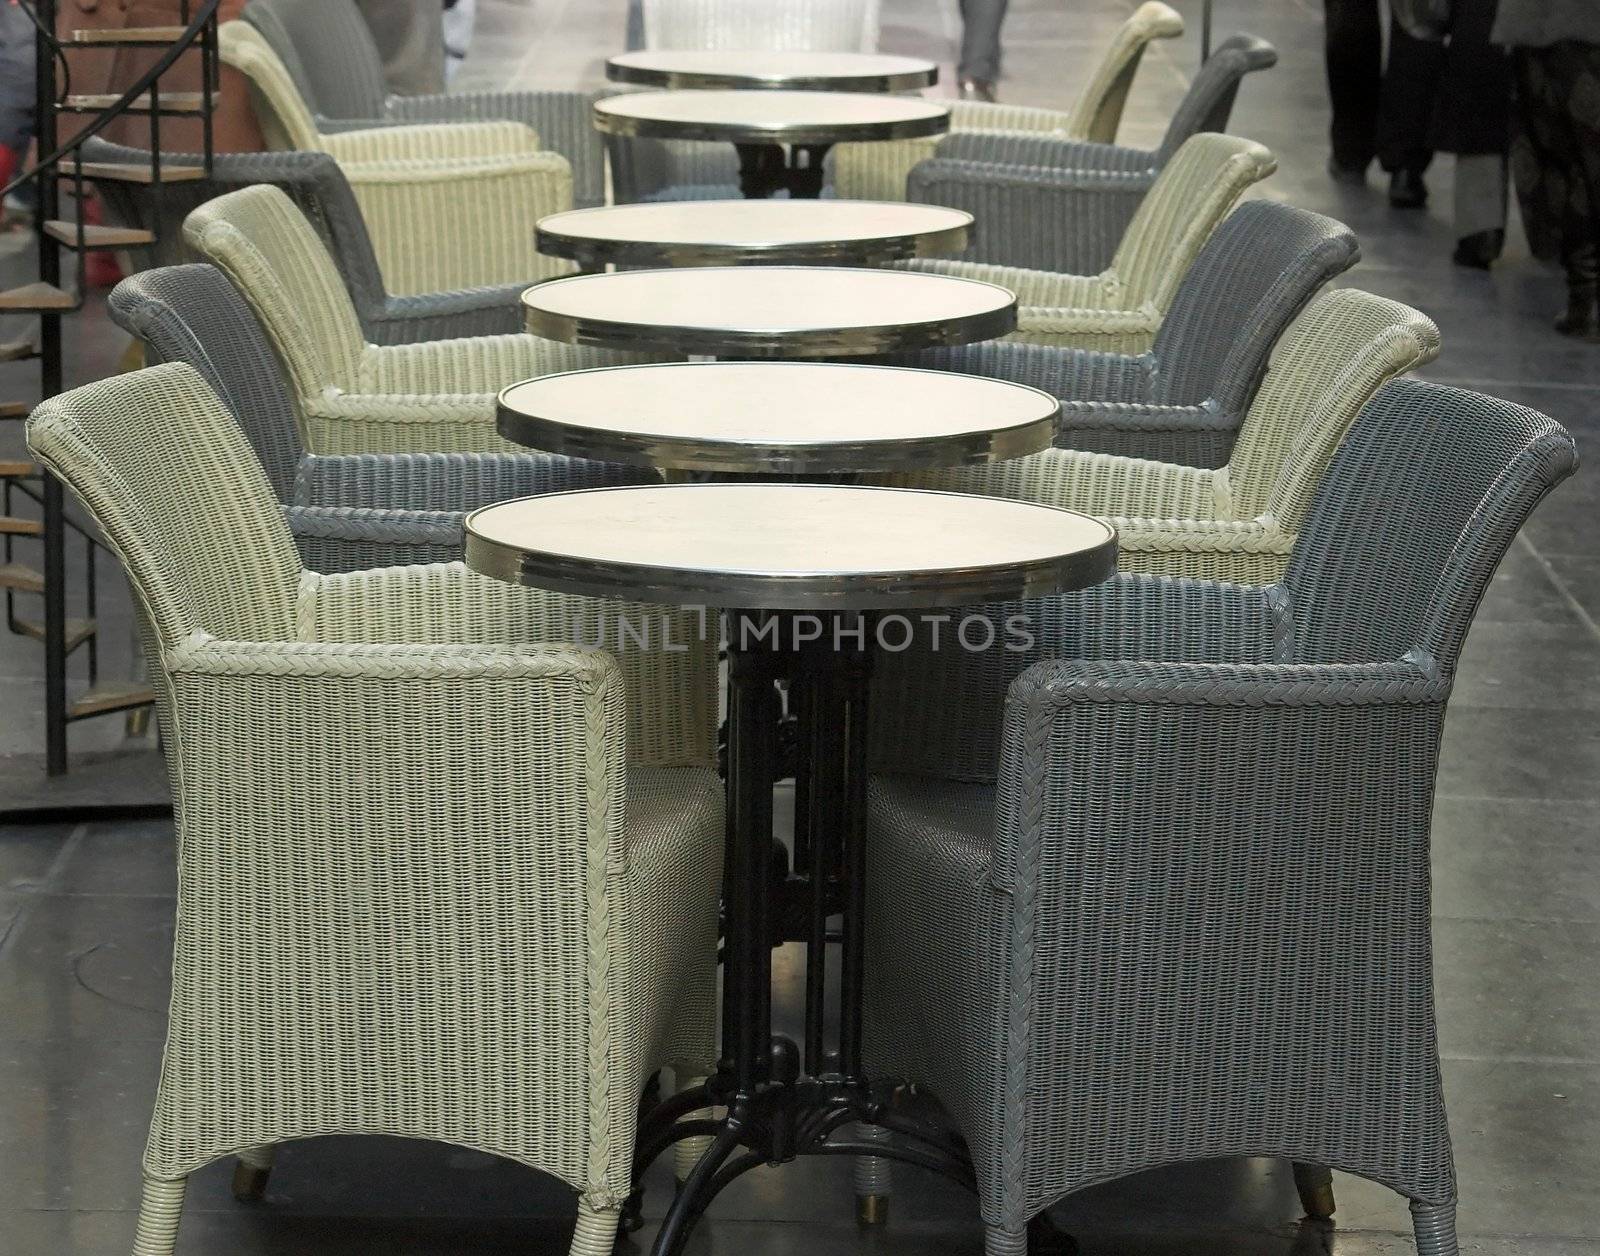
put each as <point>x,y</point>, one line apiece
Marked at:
<point>346,512</point>
<point>330,54</point>
<point>444,872</point>
<point>1157,888</point>
<point>1185,399</point>
<point>1017,185</point>
<point>317,184</point>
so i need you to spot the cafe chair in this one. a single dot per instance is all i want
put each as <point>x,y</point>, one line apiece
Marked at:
<point>877,171</point>
<point>1012,183</point>
<point>444,872</point>
<point>346,512</point>
<point>351,396</point>
<point>1237,522</point>
<point>480,187</point>
<point>1185,399</point>
<point>317,185</point>
<point>336,71</point>
<point>1155,889</point>
<point>1119,308</point>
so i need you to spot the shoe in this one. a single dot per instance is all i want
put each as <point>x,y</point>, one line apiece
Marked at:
<point>1582,319</point>
<point>1354,176</point>
<point>1480,249</point>
<point>1407,190</point>
<point>977,89</point>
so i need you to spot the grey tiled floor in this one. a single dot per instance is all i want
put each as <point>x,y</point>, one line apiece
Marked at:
<point>85,914</point>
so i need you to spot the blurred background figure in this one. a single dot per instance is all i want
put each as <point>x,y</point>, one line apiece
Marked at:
<point>459,18</point>
<point>410,39</point>
<point>1555,152</point>
<point>978,72</point>
<point>16,93</point>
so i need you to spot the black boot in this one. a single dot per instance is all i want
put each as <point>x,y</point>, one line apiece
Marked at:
<point>1407,190</point>
<point>1479,249</point>
<point>1582,319</point>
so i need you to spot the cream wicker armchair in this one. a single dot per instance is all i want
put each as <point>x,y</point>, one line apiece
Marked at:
<point>877,171</point>
<point>444,872</point>
<point>1238,522</point>
<point>1120,309</point>
<point>449,205</point>
<point>355,397</point>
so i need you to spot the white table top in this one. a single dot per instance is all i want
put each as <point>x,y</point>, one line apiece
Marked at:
<point>769,69</point>
<point>789,546</point>
<point>778,117</point>
<point>706,233</point>
<point>785,418</point>
<point>769,311</point>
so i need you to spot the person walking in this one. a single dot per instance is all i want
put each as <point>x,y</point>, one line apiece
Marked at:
<point>1555,147</point>
<point>978,71</point>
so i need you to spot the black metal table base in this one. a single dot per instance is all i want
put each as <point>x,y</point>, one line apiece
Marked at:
<point>767,169</point>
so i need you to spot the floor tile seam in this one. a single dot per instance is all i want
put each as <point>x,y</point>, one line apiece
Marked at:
<point>1563,590</point>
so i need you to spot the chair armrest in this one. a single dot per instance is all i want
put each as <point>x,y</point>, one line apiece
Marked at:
<point>985,115</point>
<point>1066,221</point>
<point>667,656</point>
<point>1089,327</point>
<point>483,364</point>
<point>938,704</point>
<point>385,483</point>
<point>342,538</point>
<point>1130,490</point>
<point>432,143</point>
<point>389,423</point>
<point>485,311</point>
<point>341,126</point>
<point>1012,148</point>
<point>1076,376</point>
<point>1190,436</point>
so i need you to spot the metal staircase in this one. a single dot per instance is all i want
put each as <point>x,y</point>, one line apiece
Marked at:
<point>32,513</point>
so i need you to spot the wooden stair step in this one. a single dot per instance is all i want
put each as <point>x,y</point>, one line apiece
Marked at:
<point>21,577</point>
<point>17,350</point>
<point>176,103</point>
<point>131,36</point>
<point>14,526</point>
<point>78,630</point>
<point>12,469</point>
<point>37,297</point>
<point>15,409</point>
<point>129,172</point>
<point>98,237</point>
<point>105,699</point>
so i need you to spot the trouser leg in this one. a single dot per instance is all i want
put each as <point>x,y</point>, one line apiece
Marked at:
<point>1354,54</point>
<point>1406,104</point>
<point>1480,193</point>
<point>980,39</point>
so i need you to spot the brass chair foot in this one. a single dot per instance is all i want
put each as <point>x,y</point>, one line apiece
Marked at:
<point>872,1210</point>
<point>1315,1184</point>
<point>249,1182</point>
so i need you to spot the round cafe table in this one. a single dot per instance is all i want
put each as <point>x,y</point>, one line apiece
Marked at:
<point>781,136</point>
<point>809,574</point>
<point>769,311</point>
<point>757,70</point>
<point>812,419</point>
<point>713,233</point>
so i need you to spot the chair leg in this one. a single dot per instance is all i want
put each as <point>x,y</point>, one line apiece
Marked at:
<point>596,1231</point>
<point>1001,1242</point>
<point>1435,1227</point>
<point>872,1177</point>
<point>250,1173</point>
<point>1315,1184</point>
<point>686,1152</point>
<point>157,1234</point>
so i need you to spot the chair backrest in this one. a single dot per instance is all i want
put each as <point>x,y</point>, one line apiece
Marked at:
<point>1255,274</point>
<point>274,257</point>
<point>313,181</point>
<point>340,71</point>
<point>194,314</point>
<point>1191,195</point>
<point>1342,349</point>
<point>286,120</point>
<point>1208,104</point>
<point>786,25</point>
<point>158,461</point>
<point>1096,113</point>
<point>1414,514</point>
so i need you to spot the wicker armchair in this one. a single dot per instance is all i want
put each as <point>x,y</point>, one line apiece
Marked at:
<point>1184,400</point>
<point>474,191</point>
<point>315,182</point>
<point>1238,522</point>
<point>877,171</point>
<point>333,61</point>
<point>346,512</point>
<point>1164,894</point>
<point>1010,182</point>
<point>444,873</point>
<point>1119,309</point>
<point>353,397</point>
